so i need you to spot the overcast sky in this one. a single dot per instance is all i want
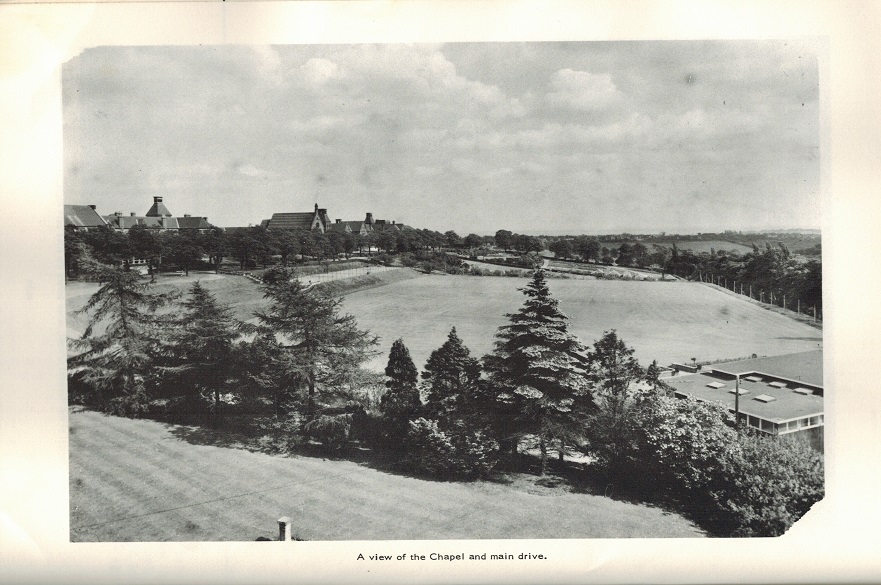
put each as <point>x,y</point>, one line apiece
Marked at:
<point>585,137</point>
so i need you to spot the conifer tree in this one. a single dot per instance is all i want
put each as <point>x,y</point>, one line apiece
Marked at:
<point>203,346</point>
<point>116,361</point>
<point>613,374</point>
<point>324,350</point>
<point>400,403</point>
<point>537,374</point>
<point>452,380</point>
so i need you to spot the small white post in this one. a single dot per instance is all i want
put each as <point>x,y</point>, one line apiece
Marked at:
<point>284,528</point>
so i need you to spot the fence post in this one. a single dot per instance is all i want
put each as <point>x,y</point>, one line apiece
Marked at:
<point>284,528</point>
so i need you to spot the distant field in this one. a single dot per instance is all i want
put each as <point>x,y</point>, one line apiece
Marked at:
<point>667,321</point>
<point>706,246</point>
<point>139,480</point>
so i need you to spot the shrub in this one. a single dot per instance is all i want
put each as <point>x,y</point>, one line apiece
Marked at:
<point>279,435</point>
<point>769,484</point>
<point>332,430</point>
<point>734,485</point>
<point>457,453</point>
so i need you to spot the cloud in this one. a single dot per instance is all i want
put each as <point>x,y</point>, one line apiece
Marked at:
<point>317,71</point>
<point>582,90</point>
<point>250,170</point>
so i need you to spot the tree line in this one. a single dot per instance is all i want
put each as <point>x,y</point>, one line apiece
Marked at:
<point>296,369</point>
<point>771,270</point>
<point>250,247</point>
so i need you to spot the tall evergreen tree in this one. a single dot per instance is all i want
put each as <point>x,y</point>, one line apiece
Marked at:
<point>452,379</point>
<point>401,402</point>
<point>116,361</point>
<point>613,374</point>
<point>324,349</point>
<point>537,374</point>
<point>202,347</point>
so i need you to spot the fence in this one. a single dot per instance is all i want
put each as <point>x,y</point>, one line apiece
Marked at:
<point>760,296</point>
<point>312,279</point>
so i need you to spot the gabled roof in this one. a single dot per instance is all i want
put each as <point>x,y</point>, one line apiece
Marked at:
<point>82,216</point>
<point>193,223</point>
<point>352,226</point>
<point>291,221</point>
<point>126,222</point>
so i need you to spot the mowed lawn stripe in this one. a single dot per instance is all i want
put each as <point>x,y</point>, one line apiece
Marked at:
<point>329,500</point>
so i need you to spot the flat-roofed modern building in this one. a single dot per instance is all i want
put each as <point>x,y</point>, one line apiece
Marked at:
<point>779,395</point>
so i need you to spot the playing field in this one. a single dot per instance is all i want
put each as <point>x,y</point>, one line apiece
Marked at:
<point>139,480</point>
<point>667,321</point>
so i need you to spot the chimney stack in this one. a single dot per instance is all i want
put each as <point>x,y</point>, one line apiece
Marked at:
<point>339,221</point>
<point>187,215</point>
<point>93,206</point>
<point>369,218</point>
<point>132,214</point>
<point>157,200</point>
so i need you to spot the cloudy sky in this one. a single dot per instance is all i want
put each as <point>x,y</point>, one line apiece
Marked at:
<point>584,137</point>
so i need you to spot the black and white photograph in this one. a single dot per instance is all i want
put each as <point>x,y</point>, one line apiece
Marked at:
<point>439,292</point>
<point>558,289</point>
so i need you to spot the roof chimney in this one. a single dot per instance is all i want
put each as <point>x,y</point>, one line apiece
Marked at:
<point>369,218</point>
<point>132,213</point>
<point>93,206</point>
<point>316,208</point>
<point>187,215</point>
<point>339,221</point>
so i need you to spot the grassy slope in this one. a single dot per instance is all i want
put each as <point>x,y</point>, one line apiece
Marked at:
<point>664,321</point>
<point>136,480</point>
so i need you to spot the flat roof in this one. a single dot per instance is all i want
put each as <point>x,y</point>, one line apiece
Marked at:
<point>806,366</point>
<point>785,404</point>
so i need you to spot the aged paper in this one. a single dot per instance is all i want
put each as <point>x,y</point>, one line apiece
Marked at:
<point>837,541</point>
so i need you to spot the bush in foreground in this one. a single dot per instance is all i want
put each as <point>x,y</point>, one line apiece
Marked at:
<point>459,452</point>
<point>733,484</point>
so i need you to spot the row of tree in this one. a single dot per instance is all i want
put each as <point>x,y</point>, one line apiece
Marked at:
<point>250,246</point>
<point>769,271</point>
<point>772,270</point>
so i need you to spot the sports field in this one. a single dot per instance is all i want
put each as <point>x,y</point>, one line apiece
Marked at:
<point>667,321</point>
<point>140,480</point>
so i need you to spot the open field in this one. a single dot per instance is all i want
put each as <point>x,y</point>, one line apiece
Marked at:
<point>702,246</point>
<point>139,480</point>
<point>667,321</point>
<point>241,294</point>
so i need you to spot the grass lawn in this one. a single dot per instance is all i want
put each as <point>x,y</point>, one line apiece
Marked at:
<point>139,480</point>
<point>667,321</point>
